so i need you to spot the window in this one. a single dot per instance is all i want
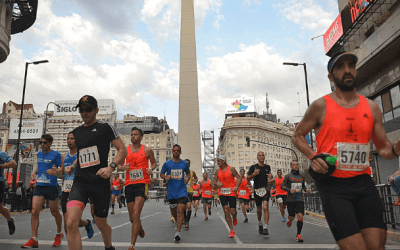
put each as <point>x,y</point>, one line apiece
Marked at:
<point>241,160</point>
<point>253,131</point>
<point>239,123</point>
<point>152,138</point>
<point>389,103</point>
<point>240,152</point>
<point>246,131</point>
<point>168,138</point>
<point>167,158</point>
<point>233,153</point>
<point>247,160</point>
<point>240,131</point>
<point>240,137</point>
<point>247,152</point>
<point>240,145</point>
<point>157,159</point>
<point>157,152</point>
<point>255,160</point>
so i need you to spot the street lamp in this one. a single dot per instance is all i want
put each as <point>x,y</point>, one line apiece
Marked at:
<point>308,98</point>
<point>45,119</point>
<point>14,180</point>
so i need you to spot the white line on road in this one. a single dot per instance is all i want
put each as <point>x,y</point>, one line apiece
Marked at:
<point>317,224</point>
<point>238,241</point>
<point>85,237</point>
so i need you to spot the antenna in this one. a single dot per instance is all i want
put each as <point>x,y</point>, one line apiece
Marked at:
<point>298,96</point>
<point>267,102</point>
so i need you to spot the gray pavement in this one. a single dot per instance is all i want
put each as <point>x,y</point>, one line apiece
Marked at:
<point>212,234</point>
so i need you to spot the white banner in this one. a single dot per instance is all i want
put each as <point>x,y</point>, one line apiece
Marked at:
<point>106,107</point>
<point>240,105</point>
<point>30,129</point>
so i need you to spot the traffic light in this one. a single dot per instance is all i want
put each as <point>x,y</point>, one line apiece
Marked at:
<point>248,141</point>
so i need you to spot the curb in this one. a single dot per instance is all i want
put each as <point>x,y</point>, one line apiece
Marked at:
<point>26,212</point>
<point>318,215</point>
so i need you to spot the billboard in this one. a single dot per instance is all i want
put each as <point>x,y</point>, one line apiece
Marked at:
<point>333,33</point>
<point>352,11</point>
<point>30,129</point>
<point>240,105</point>
<point>106,107</point>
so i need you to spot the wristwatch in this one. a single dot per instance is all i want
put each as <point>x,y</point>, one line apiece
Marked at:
<point>113,165</point>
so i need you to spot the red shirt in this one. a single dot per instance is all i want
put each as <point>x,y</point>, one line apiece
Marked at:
<point>196,193</point>
<point>278,184</point>
<point>228,181</point>
<point>206,189</point>
<point>243,191</point>
<point>137,169</point>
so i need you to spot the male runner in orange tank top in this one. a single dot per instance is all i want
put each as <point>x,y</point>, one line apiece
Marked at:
<point>344,123</point>
<point>137,180</point>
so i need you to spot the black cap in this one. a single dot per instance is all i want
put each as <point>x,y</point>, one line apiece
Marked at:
<point>87,100</point>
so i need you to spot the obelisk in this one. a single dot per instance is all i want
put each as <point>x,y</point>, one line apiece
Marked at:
<point>189,121</point>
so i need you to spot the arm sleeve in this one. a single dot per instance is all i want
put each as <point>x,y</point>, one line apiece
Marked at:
<point>251,170</point>
<point>187,169</point>
<point>58,159</point>
<point>111,132</point>
<point>163,169</point>
<point>285,183</point>
<point>4,158</point>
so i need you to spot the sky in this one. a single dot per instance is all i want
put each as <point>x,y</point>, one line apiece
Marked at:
<point>128,50</point>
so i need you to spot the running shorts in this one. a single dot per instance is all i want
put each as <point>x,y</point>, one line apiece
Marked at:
<point>245,201</point>
<point>196,198</point>
<point>50,193</point>
<point>136,190</point>
<point>64,200</point>
<point>1,191</point>
<point>284,198</point>
<point>295,207</point>
<point>228,200</point>
<point>99,194</point>
<point>350,205</point>
<point>180,200</point>
<point>259,200</point>
<point>207,200</point>
<point>116,192</point>
<point>189,197</point>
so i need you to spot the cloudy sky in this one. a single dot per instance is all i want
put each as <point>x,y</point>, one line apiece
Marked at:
<point>128,50</point>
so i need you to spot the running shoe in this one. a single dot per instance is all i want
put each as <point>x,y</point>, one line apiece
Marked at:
<point>265,231</point>
<point>289,223</point>
<point>58,239</point>
<point>209,211</point>
<point>187,225</point>
<point>234,221</point>
<point>141,232</point>
<point>246,220</point>
<point>206,218</point>
<point>194,214</point>
<point>31,244</point>
<point>298,238</point>
<point>260,229</point>
<point>232,234</point>
<point>283,219</point>
<point>112,212</point>
<point>131,248</point>
<point>89,229</point>
<point>11,226</point>
<point>177,237</point>
<point>120,205</point>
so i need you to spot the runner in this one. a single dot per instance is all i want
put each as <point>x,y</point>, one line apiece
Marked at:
<point>273,195</point>
<point>137,180</point>
<point>173,171</point>
<point>67,172</point>
<point>6,162</point>
<point>116,188</point>
<point>261,174</point>
<point>206,187</point>
<point>244,194</point>
<point>196,196</point>
<point>293,183</point>
<point>215,198</point>
<point>47,188</point>
<point>344,123</point>
<point>92,177</point>
<point>281,195</point>
<point>224,179</point>
<point>252,203</point>
<point>189,185</point>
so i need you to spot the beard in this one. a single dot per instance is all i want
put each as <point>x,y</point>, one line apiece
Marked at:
<point>345,85</point>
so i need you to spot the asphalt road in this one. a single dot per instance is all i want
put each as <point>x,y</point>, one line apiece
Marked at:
<point>212,234</point>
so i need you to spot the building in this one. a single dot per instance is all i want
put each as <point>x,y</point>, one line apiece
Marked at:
<point>371,30</point>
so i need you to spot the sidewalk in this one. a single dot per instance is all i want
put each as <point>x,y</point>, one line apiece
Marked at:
<point>393,234</point>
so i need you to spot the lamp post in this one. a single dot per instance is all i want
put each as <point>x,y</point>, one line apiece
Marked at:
<point>14,180</point>
<point>45,119</point>
<point>308,98</point>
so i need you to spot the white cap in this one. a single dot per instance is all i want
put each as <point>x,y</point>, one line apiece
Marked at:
<point>222,157</point>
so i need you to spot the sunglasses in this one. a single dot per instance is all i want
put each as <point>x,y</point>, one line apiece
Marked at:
<point>176,150</point>
<point>43,142</point>
<point>87,110</point>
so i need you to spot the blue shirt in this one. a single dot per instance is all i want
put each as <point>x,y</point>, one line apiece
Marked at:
<point>68,160</point>
<point>176,184</point>
<point>4,158</point>
<point>46,161</point>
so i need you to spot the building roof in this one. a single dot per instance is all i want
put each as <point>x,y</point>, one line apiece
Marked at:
<point>18,106</point>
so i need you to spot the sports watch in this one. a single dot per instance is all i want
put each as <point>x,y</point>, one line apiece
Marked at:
<point>113,165</point>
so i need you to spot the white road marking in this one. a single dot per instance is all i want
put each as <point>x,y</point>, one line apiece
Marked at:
<point>238,241</point>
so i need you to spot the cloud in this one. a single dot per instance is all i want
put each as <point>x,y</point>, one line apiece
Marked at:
<point>250,2</point>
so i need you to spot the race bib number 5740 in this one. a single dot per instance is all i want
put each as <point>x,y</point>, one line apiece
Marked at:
<point>89,157</point>
<point>352,156</point>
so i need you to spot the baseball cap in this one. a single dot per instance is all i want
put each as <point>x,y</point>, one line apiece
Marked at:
<point>222,157</point>
<point>335,58</point>
<point>87,100</point>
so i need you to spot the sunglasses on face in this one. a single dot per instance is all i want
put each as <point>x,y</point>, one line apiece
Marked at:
<point>176,150</point>
<point>87,110</point>
<point>43,142</point>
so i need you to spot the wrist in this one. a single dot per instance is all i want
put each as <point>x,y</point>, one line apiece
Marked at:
<point>394,152</point>
<point>312,156</point>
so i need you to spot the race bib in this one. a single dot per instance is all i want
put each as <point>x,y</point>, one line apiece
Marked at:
<point>115,187</point>
<point>176,174</point>
<point>242,192</point>
<point>352,156</point>
<point>67,186</point>
<point>89,157</point>
<point>225,190</point>
<point>296,186</point>
<point>196,193</point>
<point>136,174</point>
<point>207,192</point>
<point>188,185</point>
<point>260,191</point>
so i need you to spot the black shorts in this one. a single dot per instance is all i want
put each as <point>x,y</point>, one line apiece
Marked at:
<point>196,198</point>
<point>50,193</point>
<point>99,194</point>
<point>295,207</point>
<point>1,191</point>
<point>180,200</point>
<point>259,200</point>
<point>207,200</point>
<point>350,205</point>
<point>245,201</point>
<point>136,190</point>
<point>189,197</point>
<point>284,198</point>
<point>228,200</point>
<point>64,200</point>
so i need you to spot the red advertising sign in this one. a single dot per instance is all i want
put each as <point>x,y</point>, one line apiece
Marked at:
<point>352,11</point>
<point>333,33</point>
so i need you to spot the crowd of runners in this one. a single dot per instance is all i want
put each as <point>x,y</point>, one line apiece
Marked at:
<point>350,200</point>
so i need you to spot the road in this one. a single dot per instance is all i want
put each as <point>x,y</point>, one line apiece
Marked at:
<point>212,234</point>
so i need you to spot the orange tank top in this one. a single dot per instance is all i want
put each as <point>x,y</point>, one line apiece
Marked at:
<point>278,188</point>
<point>116,184</point>
<point>206,189</point>
<point>243,191</point>
<point>196,193</point>
<point>228,181</point>
<point>345,134</point>
<point>137,169</point>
